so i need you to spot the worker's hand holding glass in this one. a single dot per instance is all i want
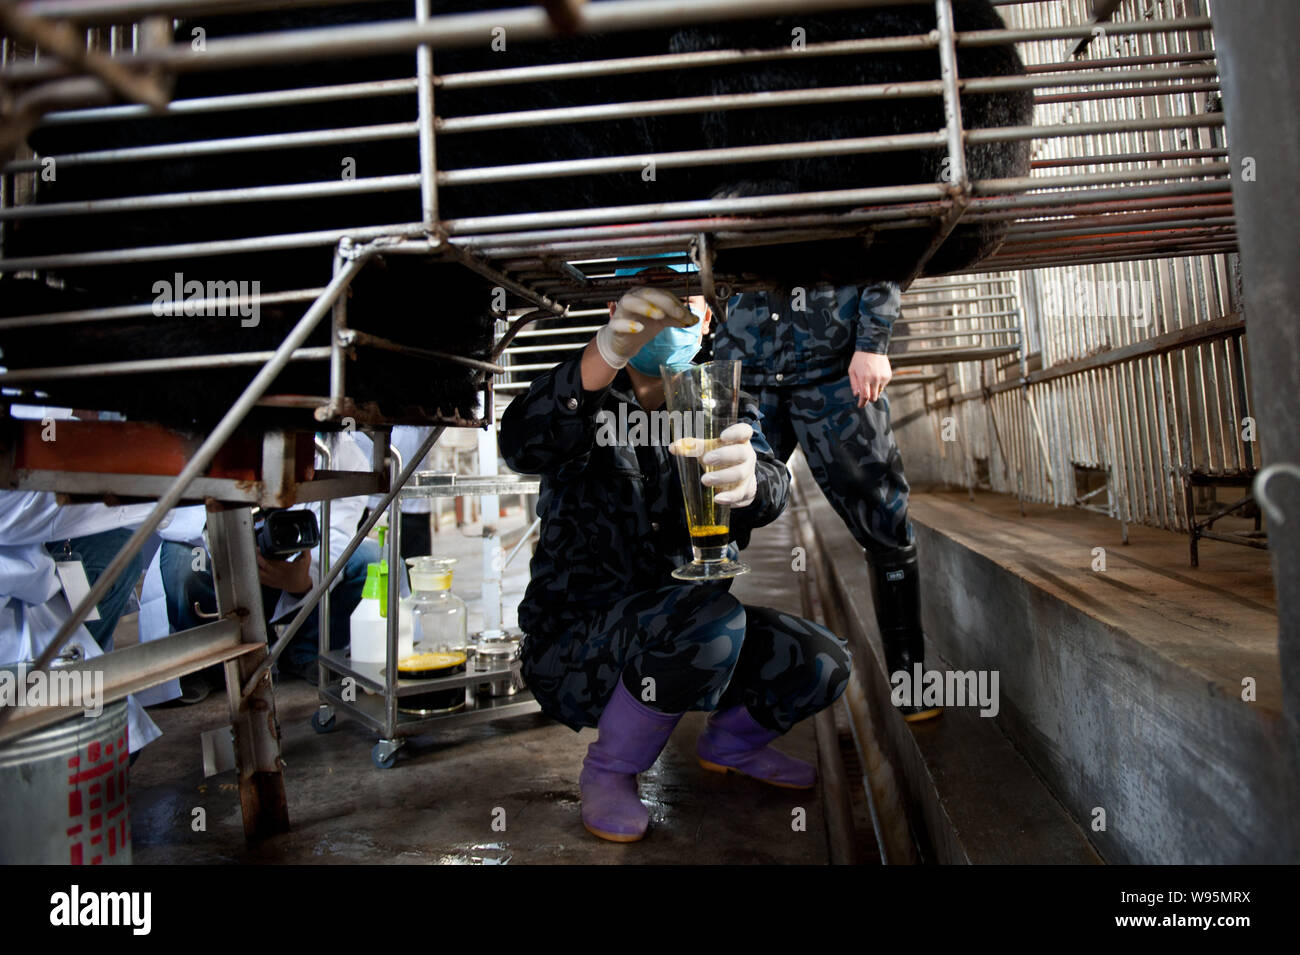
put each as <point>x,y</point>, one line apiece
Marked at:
<point>732,463</point>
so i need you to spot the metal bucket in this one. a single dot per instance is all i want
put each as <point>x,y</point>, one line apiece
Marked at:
<point>63,793</point>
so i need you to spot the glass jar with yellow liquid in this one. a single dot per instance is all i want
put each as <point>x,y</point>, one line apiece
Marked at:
<point>436,619</point>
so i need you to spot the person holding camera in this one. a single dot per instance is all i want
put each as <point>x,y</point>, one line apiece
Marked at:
<point>286,581</point>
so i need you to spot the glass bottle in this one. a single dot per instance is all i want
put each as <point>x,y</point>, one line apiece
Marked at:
<point>435,618</point>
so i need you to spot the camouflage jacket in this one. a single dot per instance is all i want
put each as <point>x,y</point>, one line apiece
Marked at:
<point>613,518</point>
<point>779,344</point>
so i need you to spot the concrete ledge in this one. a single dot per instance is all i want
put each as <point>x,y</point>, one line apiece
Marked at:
<point>1123,687</point>
<point>970,797</point>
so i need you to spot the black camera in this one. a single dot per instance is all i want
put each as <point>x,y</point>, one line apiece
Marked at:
<point>283,533</point>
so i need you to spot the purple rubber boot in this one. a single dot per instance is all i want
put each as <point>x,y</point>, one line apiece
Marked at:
<point>631,737</point>
<point>733,741</point>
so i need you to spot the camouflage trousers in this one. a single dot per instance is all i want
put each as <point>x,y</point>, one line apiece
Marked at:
<point>851,453</point>
<point>687,647</point>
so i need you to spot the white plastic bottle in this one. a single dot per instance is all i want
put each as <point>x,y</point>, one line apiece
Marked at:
<point>369,621</point>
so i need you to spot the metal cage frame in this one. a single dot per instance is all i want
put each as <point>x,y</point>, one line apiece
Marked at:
<point>1157,202</point>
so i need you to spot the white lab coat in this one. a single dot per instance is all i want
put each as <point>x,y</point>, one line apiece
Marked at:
<point>407,439</point>
<point>185,526</point>
<point>32,604</point>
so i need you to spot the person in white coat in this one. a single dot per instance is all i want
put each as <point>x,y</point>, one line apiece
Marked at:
<point>295,579</point>
<point>164,610</point>
<point>33,605</point>
<point>186,578</point>
<point>417,534</point>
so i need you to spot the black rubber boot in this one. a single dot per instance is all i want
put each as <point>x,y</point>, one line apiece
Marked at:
<point>896,592</point>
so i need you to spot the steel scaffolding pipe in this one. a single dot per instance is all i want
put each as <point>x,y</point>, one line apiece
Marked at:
<point>199,462</point>
<point>457,30</point>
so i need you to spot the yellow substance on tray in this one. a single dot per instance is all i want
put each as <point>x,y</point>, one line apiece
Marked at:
<point>430,661</point>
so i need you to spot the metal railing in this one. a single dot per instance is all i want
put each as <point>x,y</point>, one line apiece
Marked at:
<point>1129,167</point>
<point>957,321</point>
<point>1115,175</point>
<point>1135,192</point>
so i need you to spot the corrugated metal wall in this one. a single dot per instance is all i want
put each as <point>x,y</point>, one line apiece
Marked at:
<point>1135,369</point>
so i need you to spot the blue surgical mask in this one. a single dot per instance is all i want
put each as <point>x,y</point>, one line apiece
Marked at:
<point>672,346</point>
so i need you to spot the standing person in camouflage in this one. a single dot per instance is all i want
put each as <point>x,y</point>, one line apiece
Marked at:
<point>816,358</point>
<point>613,640</point>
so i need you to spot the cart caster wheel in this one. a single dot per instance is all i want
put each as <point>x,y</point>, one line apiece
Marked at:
<point>382,757</point>
<point>325,725</point>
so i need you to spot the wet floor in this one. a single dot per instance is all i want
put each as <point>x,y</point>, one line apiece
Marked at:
<point>486,794</point>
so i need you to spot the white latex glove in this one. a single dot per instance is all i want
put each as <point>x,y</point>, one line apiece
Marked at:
<point>639,316</point>
<point>735,461</point>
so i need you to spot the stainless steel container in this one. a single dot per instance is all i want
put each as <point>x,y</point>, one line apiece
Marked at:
<point>495,650</point>
<point>63,793</point>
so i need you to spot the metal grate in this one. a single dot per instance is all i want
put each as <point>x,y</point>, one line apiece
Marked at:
<point>1138,108</point>
<point>1118,250</point>
<point>958,321</point>
<point>1104,153</point>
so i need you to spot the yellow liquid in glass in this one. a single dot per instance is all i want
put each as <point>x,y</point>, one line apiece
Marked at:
<point>708,530</point>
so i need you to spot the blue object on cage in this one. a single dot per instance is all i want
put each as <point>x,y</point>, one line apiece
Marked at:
<point>684,267</point>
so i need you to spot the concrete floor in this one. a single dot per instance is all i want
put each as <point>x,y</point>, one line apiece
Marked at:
<point>439,803</point>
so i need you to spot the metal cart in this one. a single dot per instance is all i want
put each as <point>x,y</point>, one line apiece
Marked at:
<point>371,692</point>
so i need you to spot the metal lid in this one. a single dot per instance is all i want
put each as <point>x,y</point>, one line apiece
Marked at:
<point>497,649</point>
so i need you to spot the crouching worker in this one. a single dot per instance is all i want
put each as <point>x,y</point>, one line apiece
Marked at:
<point>612,639</point>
